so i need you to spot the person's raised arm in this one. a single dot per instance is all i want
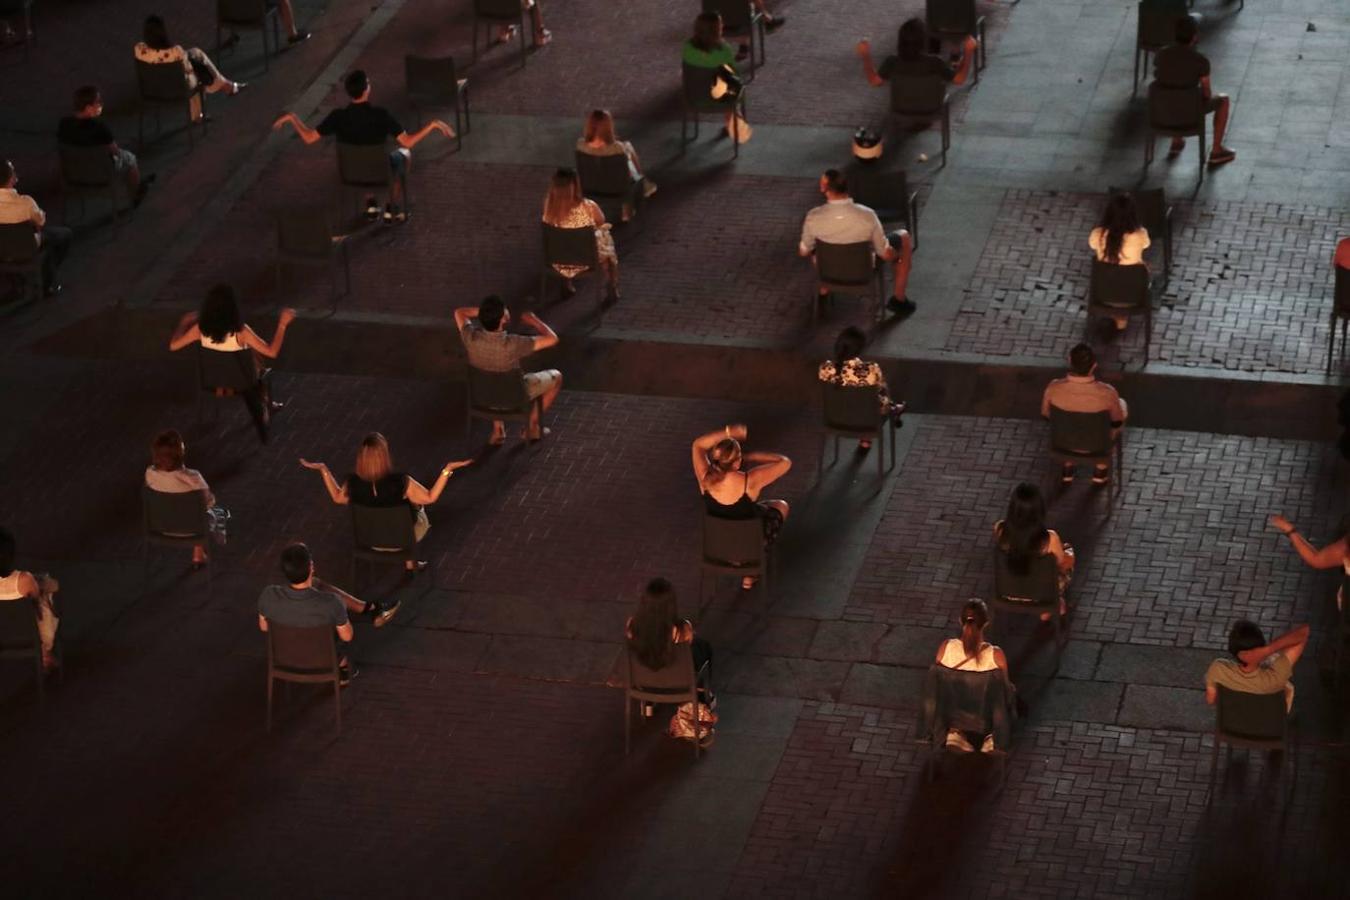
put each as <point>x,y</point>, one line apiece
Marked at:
<point>1291,644</point>
<point>864,51</point>
<point>262,622</point>
<point>766,468</point>
<point>409,141</point>
<point>416,493</point>
<point>307,134</point>
<point>1329,557</point>
<point>547,337</point>
<point>703,443</point>
<point>463,314</point>
<point>336,491</point>
<point>185,333</point>
<point>968,47</point>
<point>345,632</point>
<point>253,342</point>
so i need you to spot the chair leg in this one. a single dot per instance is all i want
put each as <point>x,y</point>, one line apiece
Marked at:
<point>946,131</point>
<point>881,448</point>
<point>473,53</point>
<point>524,52</point>
<point>627,723</point>
<point>270,682</point>
<point>1149,139</point>
<point>337,703</point>
<point>1213,769</point>
<point>1134,89</point>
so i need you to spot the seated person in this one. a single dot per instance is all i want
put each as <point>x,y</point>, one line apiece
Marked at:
<point>653,633</point>
<point>53,241</point>
<point>219,326</point>
<point>375,483</point>
<point>972,653</point>
<point>1182,66</point>
<point>729,492</point>
<point>839,220</point>
<point>566,207</point>
<point>598,138</point>
<point>361,123</point>
<point>86,128</point>
<point>166,473</point>
<point>707,50</point>
<point>156,48</point>
<point>1257,667</point>
<point>1120,240</point>
<point>307,601</point>
<point>17,585</point>
<point>1080,391</point>
<point>912,57</point>
<point>294,35</point>
<point>1021,536</point>
<point>849,369</point>
<point>491,348</point>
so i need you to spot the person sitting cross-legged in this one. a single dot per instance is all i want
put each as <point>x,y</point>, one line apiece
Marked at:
<point>1257,667</point>
<point>53,241</point>
<point>363,124</point>
<point>17,585</point>
<point>1180,65</point>
<point>86,128</point>
<point>491,348</point>
<point>159,49</point>
<point>842,221</point>
<point>849,369</point>
<point>1079,391</point>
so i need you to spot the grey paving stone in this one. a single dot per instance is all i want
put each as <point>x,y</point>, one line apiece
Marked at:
<point>912,646</point>
<point>775,676</point>
<point>1169,666</point>
<point>889,687</point>
<point>848,641</point>
<point>766,717</point>
<point>420,648</point>
<point>1066,700</point>
<point>1151,706</point>
<point>551,659</point>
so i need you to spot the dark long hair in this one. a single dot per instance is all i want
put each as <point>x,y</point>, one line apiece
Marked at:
<point>707,32</point>
<point>1119,220</point>
<point>974,616</point>
<point>912,41</point>
<point>220,316</point>
<point>156,35</point>
<point>1023,534</point>
<point>848,345</point>
<point>649,634</point>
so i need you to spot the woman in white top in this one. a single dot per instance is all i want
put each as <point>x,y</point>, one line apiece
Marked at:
<point>16,586</point>
<point>220,326</point>
<point>167,474</point>
<point>197,66</point>
<point>598,138</point>
<point>972,653</point>
<point>1120,239</point>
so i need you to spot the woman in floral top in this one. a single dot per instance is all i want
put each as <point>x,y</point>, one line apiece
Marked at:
<point>197,66</point>
<point>847,368</point>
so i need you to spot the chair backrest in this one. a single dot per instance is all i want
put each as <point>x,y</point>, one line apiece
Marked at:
<point>851,407</point>
<point>498,9</point>
<point>1176,108</point>
<point>917,95</point>
<point>363,164</point>
<point>232,370</point>
<point>671,683</point>
<point>951,16</point>
<point>18,242</point>
<point>86,166</point>
<point>697,82</point>
<point>176,514</point>
<point>1117,286</point>
<point>1038,584</point>
<point>1157,27</point>
<point>967,701</point>
<point>431,80</point>
<point>1342,295</point>
<point>305,231</point>
<point>310,650</point>
<point>570,246</point>
<point>383,526</point>
<point>503,391</point>
<point>18,626</point>
<point>162,82</point>
<point>1259,717</point>
<point>1151,205</point>
<point>736,14</point>
<point>604,176</point>
<point>1087,433</point>
<point>882,190</point>
<point>733,540</point>
<point>845,263</point>
<point>241,12</point>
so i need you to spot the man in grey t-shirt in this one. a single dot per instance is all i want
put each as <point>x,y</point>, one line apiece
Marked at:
<point>491,348</point>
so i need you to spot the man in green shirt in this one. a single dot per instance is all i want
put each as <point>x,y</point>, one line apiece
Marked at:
<point>1260,668</point>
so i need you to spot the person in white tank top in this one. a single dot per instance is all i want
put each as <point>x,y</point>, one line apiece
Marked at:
<point>971,653</point>
<point>16,586</point>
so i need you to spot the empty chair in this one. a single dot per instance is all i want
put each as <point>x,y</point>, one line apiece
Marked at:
<point>249,15</point>
<point>382,534</point>
<point>1253,722</point>
<point>978,703</point>
<point>957,19</point>
<point>676,683</point>
<point>19,637</point>
<point>848,269</point>
<point>85,171</point>
<point>609,181</point>
<point>1032,592</point>
<point>1177,113</point>
<point>499,12</point>
<point>888,194</point>
<point>734,547</point>
<point>434,83</point>
<point>1116,290</point>
<point>1340,312</point>
<point>497,397</point>
<point>1087,438</point>
<point>177,520</point>
<point>305,238</point>
<point>741,17</point>
<point>166,84</point>
<point>20,255</point>
<point>696,99</point>
<point>1155,214</point>
<point>363,168</point>
<point>922,98</point>
<point>854,411</point>
<point>304,655</point>
<point>1156,29</point>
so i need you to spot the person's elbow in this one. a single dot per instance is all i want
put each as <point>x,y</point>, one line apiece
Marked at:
<point>345,632</point>
<point>544,342</point>
<point>804,251</point>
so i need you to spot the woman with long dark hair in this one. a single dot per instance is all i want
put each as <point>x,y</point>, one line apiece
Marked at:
<point>1120,240</point>
<point>1022,536</point>
<point>971,653</point>
<point>655,629</point>
<point>730,492</point>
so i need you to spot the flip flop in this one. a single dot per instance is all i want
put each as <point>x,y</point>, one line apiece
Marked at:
<point>1220,159</point>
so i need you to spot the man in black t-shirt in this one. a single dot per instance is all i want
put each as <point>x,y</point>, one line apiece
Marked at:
<point>1182,66</point>
<point>912,58</point>
<point>364,124</point>
<point>87,129</point>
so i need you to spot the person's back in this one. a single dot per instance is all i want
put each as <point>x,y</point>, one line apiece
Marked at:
<point>497,350</point>
<point>1257,667</point>
<point>1180,66</point>
<point>301,607</point>
<point>361,124</point>
<point>84,131</point>
<point>1079,391</point>
<point>386,491</point>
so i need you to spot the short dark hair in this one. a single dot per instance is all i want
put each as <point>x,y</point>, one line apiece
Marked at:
<point>1082,359</point>
<point>836,182</point>
<point>1188,26</point>
<point>6,171</point>
<point>491,311</point>
<point>356,83</point>
<point>1244,635</point>
<point>849,344</point>
<point>6,553</point>
<point>86,95</point>
<point>295,563</point>
<point>166,452</point>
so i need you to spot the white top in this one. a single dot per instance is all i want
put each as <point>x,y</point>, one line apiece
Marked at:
<point>16,208</point>
<point>9,586</point>
<point>175,481</point>
<point>1132,246</point>
<point>231,343</point>
<point>954,657</point>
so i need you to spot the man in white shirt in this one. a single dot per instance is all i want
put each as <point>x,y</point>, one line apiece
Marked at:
<point>52,241</point>
<point>1079,391</point>
<point>841,221</point>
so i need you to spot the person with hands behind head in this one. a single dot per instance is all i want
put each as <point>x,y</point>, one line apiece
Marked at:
<point>491,348</point>
<point>1333,555</point>
<point>1257,667</point>
<point>375,483</point>
<point>912,57</point>
<point>732,492</point>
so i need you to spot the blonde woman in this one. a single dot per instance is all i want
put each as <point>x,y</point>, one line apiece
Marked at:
<point>375,483</point>
<point>598,138</point>
<point>565,207</point>
<point>730,492</point>
<point>167,474</point>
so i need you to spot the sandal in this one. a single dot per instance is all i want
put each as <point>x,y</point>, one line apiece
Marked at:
<point>543,37</point>
<point>1220,159</point>
<point>1101,476</point>
<point>1067,474</point>
<point>543,433</point>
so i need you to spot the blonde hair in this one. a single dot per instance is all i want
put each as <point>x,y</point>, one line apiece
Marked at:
<point>372,460</point>
<point>724,457</point>
<point>564,195</point>
<point>599,126</point>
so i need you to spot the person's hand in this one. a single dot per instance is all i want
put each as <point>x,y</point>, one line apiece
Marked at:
<point>1250,657</point>
<point>863,48</point>
<point>737,432</point>
<point>452,466</point>
<point>443,128</point>
<point>285,117</point>
<point>1281,524</point>
<point>286,317</point>
<point>316,466</point>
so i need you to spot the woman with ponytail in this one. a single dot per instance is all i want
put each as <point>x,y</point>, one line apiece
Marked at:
<point>729,492</point>
<point>971,653</point>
